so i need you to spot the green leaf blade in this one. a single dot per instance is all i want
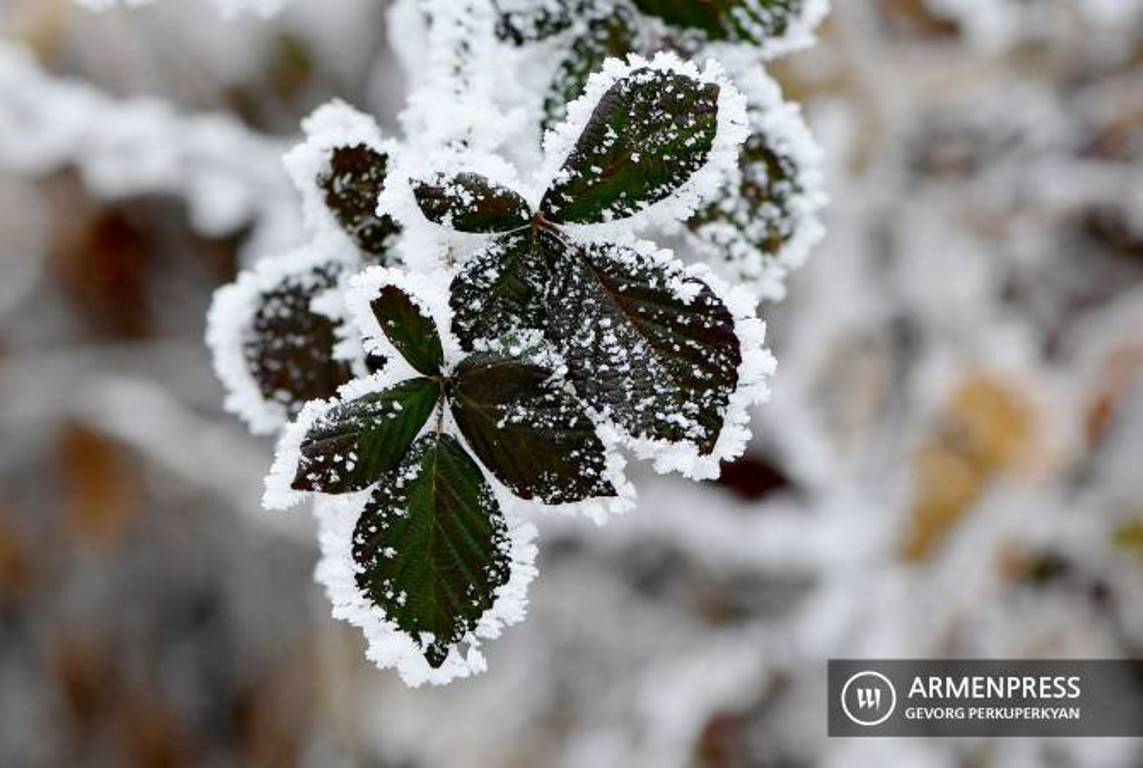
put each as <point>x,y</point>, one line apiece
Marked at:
<point>530,433</point>
<point>751,21</point>
<point>649,133</point>
<point>432,546</point>
<point>352,185</point>
<point>413,334</point>
<point>468,202</point>
<point>352,445</point>
<point>661,364</point>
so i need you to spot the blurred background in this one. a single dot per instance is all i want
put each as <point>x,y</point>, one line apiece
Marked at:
<point>950,464</point>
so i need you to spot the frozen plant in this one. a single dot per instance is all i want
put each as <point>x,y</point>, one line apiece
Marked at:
<point>456,347</point>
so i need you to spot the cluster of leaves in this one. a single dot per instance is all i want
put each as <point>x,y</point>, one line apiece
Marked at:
<point>621,341</point>
<point>431,541</point>
<point>429,413</point>
<point>755,219</point>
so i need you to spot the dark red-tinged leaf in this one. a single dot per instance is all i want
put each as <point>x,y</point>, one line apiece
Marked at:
<point>498,291</point>
<point>468,202</point>
<point>351,446</point>
<point>662,367</point>
<point>413,334</point>
<point>530,432</point>
<point>650,132</point>
<point>289,347</point>
<point>753,220</point>
<point>354,181</point>
<point>752,21</point>
<point>610,35</point>
<point>432,545</point>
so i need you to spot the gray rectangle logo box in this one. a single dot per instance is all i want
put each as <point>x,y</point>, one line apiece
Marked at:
<point>977,697</point>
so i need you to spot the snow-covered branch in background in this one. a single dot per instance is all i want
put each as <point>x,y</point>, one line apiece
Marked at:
<point>227,175</point>
<point>263,8</point>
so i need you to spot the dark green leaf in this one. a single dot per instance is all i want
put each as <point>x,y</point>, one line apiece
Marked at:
<point>610,35</point>
<point>498,292</point>
<point>752,21</point>
<point>352,445</point>
<point>526,21</point>
<point>647,136</point>
<point>414,335</point>
<point>289,348</point>
<point>352,185</point>
<point>432,546</point>
<point>469,202</point>
<point>662,367</point>
<point>754,219</point>
<point>528,430</point>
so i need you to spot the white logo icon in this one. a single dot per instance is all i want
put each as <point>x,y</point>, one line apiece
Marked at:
<point>872,689</point>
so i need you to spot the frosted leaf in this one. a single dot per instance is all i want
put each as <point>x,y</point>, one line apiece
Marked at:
<point>432,546</point>
<point>766,218</point>
<point>650,347</point>
<point>272,349</point>
<point>671,171</point>
<point>388,644</point>
<point>522,21</point>
<point>609,35</point>
<point>529,430</point>
<point>468,202</point>
<point>349,446</point>
<point>497,292</point>
<point>352,184</point>
<point>752,21</point>
<point>649,133</point>
<point>341,169</point>
<point>409,330</point>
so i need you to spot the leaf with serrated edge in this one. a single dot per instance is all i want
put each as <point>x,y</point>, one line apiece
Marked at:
<point>649,133</point>
<point>350,446</point>
<point>646,344</point>
<point>498,291</point>
<point>432,546</point>
<point>412,333</point>
<point>289,348</point>
<point>469,202</point>
<point>532,434</point>
<point>752,21</point>
<point>352,184</point>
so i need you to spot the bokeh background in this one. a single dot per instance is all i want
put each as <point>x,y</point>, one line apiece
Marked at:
<point>950,465</point>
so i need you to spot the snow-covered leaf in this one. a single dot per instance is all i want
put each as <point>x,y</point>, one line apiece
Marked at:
<point>354,181</point>
<point>752,21</point>
<point>350,446</point>
<point>432,546</point>
<point>413,334</point>
<point>649,133</point>
<point>754,218</point>
<point>498,291</point>
<point>649,346</point>
<point>468,202</point>
<point>289,348</point>
<point>524,21</point>
<point>529,430</point>
<point>610,35</point>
